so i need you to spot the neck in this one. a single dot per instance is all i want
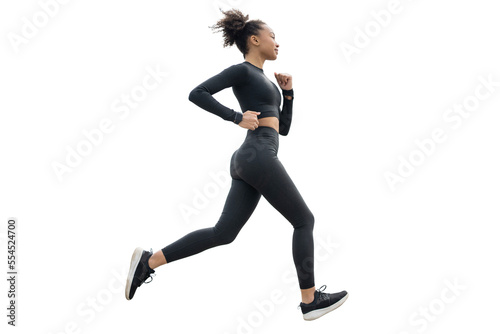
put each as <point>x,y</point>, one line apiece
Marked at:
<point>256,60</point>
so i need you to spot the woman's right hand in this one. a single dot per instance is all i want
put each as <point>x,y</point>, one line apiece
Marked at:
<point>250,120</point>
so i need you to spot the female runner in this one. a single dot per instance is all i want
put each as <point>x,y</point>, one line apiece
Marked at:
<point>255,168</point>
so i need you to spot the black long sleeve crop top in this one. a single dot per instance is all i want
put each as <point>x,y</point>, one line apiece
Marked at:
<point>253,90</point>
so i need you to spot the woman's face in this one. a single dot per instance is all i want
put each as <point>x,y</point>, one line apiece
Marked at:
<point>268,45</point>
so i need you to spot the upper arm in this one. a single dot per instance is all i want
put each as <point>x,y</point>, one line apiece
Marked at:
<point>234,75</point>
<point>201,95</point>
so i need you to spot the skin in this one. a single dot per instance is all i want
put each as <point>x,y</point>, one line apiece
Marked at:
<point>262,47</point>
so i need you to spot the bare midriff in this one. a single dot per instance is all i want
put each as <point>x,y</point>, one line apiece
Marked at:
<point>272,122</point>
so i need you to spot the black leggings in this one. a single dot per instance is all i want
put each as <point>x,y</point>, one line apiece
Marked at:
<point>256,170</point>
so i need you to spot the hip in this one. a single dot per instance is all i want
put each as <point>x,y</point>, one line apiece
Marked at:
<point>257,154</point>
<point>259,145</point>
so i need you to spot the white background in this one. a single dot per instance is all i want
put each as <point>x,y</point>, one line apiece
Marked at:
<point>394,251</point>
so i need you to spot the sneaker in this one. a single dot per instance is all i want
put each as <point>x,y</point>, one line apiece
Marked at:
<point>322,303</point>
<point>139,271</point>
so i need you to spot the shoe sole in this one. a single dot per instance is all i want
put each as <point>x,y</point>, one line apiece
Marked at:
<point>136,258</point>
<point>318,313</point>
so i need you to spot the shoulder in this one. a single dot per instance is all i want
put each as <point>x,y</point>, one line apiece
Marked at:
<point>236,73</point>
<point>239,68</point>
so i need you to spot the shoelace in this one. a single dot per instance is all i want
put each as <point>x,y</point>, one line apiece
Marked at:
<point>151,272</point>
<point>321,295</point>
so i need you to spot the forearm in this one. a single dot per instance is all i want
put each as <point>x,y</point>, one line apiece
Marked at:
<point>201,95</point>
<point>286,112</point>
<point>203,99</point>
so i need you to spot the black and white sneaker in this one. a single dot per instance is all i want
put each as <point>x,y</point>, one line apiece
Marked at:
<point>322,303</point>
<point>139,271</point>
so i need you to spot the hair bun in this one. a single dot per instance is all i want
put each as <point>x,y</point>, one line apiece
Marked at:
<point>236,28</point>
<point>232,25</point>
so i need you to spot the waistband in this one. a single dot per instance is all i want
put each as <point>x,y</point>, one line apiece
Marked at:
<point>263,137</point>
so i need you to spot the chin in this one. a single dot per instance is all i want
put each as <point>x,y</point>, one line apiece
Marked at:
<point>273,56</point>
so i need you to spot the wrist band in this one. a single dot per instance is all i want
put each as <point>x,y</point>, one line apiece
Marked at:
<point>237,117</point>
<point>288,92</point>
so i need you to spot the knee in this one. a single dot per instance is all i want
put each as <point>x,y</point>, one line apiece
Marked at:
<point>307,221</point>
<point>224,237</point>
<point>311,220</point>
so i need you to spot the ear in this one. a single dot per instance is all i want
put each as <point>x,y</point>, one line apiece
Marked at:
<point>254,39</point>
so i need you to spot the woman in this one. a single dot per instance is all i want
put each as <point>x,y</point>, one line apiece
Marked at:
<point>255,168</point>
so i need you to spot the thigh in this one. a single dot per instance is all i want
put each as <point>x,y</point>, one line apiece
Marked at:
<point>281,192</point>
<point>241,201</point>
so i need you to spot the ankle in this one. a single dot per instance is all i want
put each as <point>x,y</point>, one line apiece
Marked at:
<point>308,295</point>
<point>156,260</point>
<point>307,301</point>
<point>151,264</point>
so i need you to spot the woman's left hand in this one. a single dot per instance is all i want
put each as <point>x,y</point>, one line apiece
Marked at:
<point>284,80</point>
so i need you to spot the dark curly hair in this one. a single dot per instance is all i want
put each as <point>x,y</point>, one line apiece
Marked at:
<point>236,29</point>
